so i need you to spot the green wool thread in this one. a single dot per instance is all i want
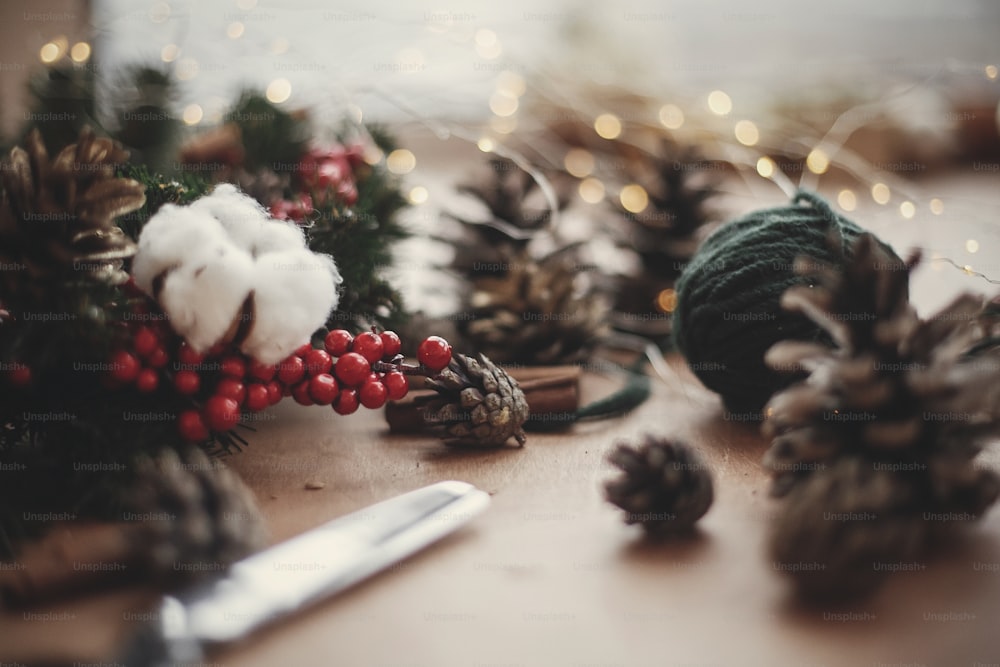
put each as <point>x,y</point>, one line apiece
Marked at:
<point>728,311</point>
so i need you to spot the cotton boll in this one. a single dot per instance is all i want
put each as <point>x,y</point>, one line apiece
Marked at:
<point>167,241</point>
<point>205,293</point>
<point>277,235</point>
<point>294,292</point>
<point>239,214</point>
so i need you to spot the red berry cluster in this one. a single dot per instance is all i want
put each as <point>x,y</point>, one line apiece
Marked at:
<point>322,175</point>
<point>347,372</point>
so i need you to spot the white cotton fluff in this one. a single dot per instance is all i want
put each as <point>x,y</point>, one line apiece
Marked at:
<point>205,293</point>
<point>294,292</point>
<point>240,215</point>
<point>168,239</point>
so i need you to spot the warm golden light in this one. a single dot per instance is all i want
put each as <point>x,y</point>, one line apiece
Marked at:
<point>401,161</point>
<point>503,104</point>
<point>608,126</point>
<point>579,162</point>
<point>937,206</point>
<point>817,161</point>
<point>972,246</point>
<point>880,193</point>
<point>278,91</point>
<point>746,133</point>
<point>235,30</point>
<point>591,190</point>
<point>511,83</point>
<point>418,195</point>
<point>766,167</point>
<point>49,53</point>
<point>991,72</point>
<point>486,145</point>
<point>666,300</point>
<point>634,198</point>
<point>487,44</point>
<point>907,209</point>
<point>847,200</point>
<point>503,124</point>
<point>719,103</point>
<point>80,53</point>
<point>671,116</point>
<point>192,114</point>
<point>169,53</point>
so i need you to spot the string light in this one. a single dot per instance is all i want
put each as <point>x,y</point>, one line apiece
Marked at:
<point>847,200</point>
<point>503,104</point>
<point>880,193</point>
<point>579,162</point>
<point>818,161</point>
<point>608,126</point>
<point>49,53</point>
<point>666,300</point>
<point>991,72</point>
<point>766,167</point>
<point>278,91</point>
<point>972,246</point>
<point>401,161</point>
<point>907,209</point>
<point>671,116</point>
<point>486,145</point>
<point>80,52</point>
<point>937,206</point>
<point>719,103</point>
<point>169,53</point>
<point>418,195</point>
<point>193,114</point>
<point>634,198</point>
<point>591,190</point>
<point>746,133</point>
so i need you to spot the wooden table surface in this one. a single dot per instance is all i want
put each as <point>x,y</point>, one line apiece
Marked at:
<point>549,576</point>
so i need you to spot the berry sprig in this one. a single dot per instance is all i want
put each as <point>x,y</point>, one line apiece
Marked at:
<point>347,372</point>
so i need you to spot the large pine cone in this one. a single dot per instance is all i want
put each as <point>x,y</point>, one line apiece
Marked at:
<point>199,517</point>
<point>664,486</point>
<point>536,313</point>
<point>59,218</point>
<point>897,390</point>
<point>478,404</point>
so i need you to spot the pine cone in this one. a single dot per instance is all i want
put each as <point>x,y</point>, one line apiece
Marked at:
<point>59,218</point>
<point>478,404</point>
<point>664,486</point>
<point>896,390</point>
<point>200,515</point>
<point>537,313</point>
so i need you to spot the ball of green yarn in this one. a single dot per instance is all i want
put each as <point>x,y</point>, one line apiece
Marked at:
<point>728,311</point>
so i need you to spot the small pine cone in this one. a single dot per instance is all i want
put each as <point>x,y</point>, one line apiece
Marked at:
<point>835,527</point>
<point>59,217</point>
<point>201,516</point>
<point>478,404</point>
<point>664,486</point>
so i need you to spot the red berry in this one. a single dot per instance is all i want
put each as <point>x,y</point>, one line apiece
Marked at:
<point>262,372</point>
<point>19,375</point>
<point>187,382</point>
<point>291,370</point>
<point>434,353</point>
<point>323,388</point>
<point>338,342</point>
<point>234,367</point>
<point>300,393</point>
<point>347,402</point>
<point>124,367</point>
<point>352,369</point>
<point>158,358</point>
<point>147,381</point>
<point>318,362</point>
<point>221,413</point>
<point>274,393</point>
<point>258,397</point>
<point>216,350</point>
<point>145,341</point>
<point>231,388</point>
<point>188,356</point>
<point>397,385</point>
<point>391,345</point>
<point>373,394</point>
<point>192,426</point>
<point>368,345</point>
<point>303,349</point>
